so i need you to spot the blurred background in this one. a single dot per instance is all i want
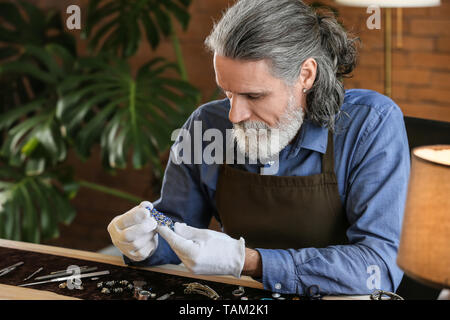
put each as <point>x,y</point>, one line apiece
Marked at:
<point>87,114</point>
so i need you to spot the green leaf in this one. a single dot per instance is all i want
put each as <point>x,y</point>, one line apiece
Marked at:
<point>27,68</point>
<point>13,115</point>
<point>117,23</point>
<point>30,227</point>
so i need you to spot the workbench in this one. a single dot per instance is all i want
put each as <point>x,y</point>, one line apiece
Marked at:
<point>21,251</point>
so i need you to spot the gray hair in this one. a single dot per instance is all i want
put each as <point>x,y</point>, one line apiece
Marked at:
<point>286,33</point>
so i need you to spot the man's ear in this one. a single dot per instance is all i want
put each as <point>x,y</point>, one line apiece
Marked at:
<point>308,73</point>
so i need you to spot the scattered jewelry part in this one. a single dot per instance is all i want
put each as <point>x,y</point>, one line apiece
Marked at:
<point>144,295</point>
<point>195,287</point>
<point>106,291</point>
<point>238,292</point>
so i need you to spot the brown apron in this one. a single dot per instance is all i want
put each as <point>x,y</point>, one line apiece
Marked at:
<point>277,212</point>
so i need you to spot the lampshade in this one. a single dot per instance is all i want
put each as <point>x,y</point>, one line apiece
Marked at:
<point>424,252</point>
<point>390,3</point>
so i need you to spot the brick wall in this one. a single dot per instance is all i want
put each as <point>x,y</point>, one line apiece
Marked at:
<point>421,87</point>
<point>420,68</point>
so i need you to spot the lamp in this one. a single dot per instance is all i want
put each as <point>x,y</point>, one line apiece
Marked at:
<point>389,4</point>
<point>424,251</point>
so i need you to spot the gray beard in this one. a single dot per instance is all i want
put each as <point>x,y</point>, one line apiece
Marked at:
<point>258,141</point>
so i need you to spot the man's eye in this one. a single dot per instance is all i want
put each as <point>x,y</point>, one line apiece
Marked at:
<point>252,97</point>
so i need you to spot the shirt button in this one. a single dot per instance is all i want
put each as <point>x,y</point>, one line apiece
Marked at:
<point>278,286</point>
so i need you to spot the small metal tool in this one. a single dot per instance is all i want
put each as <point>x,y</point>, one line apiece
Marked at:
<point>33,274</point>
<point>65,271</point>
<point>60,274</point>
<point>165,296</point>
<point>10,268</point>
<point>92,274</point>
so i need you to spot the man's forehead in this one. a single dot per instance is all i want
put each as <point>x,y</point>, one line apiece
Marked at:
<point>242,76</point>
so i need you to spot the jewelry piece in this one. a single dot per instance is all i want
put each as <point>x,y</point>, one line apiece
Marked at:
<point>153,295</point>
<point>276,295</point>
<point>165,296</point>
<point>238,292</point>
<point>110,283</point>
<point>124,282</point>
<point>144,295</point>
<point>99,285</point>
<point>106,291</point>
<point>118,290</point>
<point>244,298</point>
<point>130,287</point>
<point>195,287</point>
<point>161,219</point>
<point>95,278</point>
<point>62,285</point>
<point>305,90</point>
<point>378,295</point>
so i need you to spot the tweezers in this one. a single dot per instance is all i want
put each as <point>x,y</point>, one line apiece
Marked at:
<point>10,268</point>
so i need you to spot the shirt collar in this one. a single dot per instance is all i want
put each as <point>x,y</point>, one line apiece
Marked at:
<point>310,137</point>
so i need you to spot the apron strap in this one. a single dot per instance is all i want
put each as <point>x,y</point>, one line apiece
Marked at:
<point>328,157</point>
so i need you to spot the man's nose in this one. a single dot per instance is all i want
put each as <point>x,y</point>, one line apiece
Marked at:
<point>239,110</point>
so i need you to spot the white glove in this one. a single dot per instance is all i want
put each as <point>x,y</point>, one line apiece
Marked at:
<point>133,232</point>
<point>206,251</point>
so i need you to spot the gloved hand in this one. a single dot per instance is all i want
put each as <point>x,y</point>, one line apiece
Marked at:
<point>133,232</point>
<point>206,251</point>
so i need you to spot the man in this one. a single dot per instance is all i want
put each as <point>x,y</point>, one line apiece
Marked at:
<point>331,212</point>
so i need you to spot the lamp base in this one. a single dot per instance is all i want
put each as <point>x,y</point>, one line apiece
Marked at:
<point>444,295</point>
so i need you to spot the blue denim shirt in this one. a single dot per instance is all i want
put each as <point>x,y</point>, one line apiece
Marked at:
<point>372,166</point>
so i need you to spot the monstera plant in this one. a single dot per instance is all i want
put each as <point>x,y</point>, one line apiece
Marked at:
<point>53,100</point>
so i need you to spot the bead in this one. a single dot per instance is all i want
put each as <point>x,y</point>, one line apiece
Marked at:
<point>276,295</point>
<point>99,285</point>
<point>63,285</point>
<point>118,290</point>
<point>124,282</point>
<point>244,298</point>
<point>105,291</point>
<point>110,283</point>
